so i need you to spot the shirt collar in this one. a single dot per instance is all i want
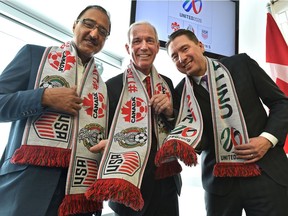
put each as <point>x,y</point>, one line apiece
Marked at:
<point>197,79</point>
<point>142,76</point>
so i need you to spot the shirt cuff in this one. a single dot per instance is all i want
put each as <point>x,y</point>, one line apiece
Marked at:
<point>170,118</point>
<point>270,137</point>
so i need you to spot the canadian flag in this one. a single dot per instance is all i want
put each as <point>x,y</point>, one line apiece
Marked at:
<point>277,57</point>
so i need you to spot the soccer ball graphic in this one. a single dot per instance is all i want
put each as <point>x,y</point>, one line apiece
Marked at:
<point>55,59</point>
<point>102,105</point>
<point>141,108</point>
<point>141,137</point>
<point>46,85</point>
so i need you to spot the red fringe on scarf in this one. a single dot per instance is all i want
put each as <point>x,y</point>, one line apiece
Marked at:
<point>42,156</point>
<point>168,169</point>
<point>77,204</point>
<point>179,149</point>
<point>236,170</point>
<point>117,190</point>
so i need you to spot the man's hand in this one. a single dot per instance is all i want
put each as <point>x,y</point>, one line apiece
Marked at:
<point>62,99</point>
<point>99,148</point>
<point>254,150</point>
<point>162,104</point>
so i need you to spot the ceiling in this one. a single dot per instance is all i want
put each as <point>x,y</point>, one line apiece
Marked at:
<point>62,13</point>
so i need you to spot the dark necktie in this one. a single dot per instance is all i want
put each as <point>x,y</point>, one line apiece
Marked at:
<point>148,86</point>
<point>204,82</point>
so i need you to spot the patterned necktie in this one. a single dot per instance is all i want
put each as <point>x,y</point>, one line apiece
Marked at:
<point>148,86</point>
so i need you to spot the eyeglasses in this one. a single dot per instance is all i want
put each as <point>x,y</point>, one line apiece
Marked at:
<point>91,24</point>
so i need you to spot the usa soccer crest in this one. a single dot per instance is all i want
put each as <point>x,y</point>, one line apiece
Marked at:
<point>91,135</point>
<point>86,172</point>
<point>125,163</point>
<point>131,137</point>
<point>53,126</point>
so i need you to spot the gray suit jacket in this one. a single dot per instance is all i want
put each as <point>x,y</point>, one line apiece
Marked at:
<point>252,85</point>
<point>25,190</point>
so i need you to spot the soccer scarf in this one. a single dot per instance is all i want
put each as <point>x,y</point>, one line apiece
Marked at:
<point>228,124</point>
<point>129,143</point>
<point>184,138</point>
<point>55,139</point>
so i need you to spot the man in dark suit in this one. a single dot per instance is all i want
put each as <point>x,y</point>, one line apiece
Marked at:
<point>39,190</point>
<point>265,194</point>
<point>160,196</point>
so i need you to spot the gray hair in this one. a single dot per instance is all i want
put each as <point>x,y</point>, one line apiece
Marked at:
<point>142,23</point>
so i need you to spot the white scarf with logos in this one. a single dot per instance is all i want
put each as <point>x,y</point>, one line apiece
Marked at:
<point>55,139</point>
<point>228,124</point>
<point>129,143</point>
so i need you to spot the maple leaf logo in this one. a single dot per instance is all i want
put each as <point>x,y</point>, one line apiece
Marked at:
<point>70,61</point>
<point>88,104</point>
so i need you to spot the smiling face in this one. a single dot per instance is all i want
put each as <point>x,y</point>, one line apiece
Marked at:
<point>88,40</point>
<point>187,56</point>
<point>143,46</point>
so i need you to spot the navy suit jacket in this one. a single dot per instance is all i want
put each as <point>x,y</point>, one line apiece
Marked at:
<point>24,189</point>
<point>252,85</point>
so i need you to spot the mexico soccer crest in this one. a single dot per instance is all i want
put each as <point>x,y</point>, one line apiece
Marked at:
<point>132,137</point>
<point>91,135</point>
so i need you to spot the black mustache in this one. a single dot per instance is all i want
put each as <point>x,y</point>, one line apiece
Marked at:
<point>93,40</point>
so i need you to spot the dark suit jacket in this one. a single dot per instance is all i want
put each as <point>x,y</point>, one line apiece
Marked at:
<point>252,85</point>
<point>25,190</point>
<point>114,88</point>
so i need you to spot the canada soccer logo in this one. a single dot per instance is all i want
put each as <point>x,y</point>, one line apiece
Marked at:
<point>94,105</point>
<point>61,60</point>
<point>175,26</point>
<point>134,110</point>
<point>161,89</point>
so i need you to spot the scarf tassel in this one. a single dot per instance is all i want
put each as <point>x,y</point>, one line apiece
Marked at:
<point>179,149</point>
<point>236,170</point>
<point>168,169</point>
<point>117,190</point>
<point>77,204</point>
<point>42,156</point>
